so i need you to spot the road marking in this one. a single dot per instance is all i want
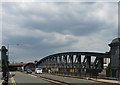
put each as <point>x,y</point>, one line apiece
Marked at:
<point>1,82</point>
<point>43,78</point>
<point>92,80</point>
<point>46,79</point>
<point>74,78</point>
<point>32,75</point>
<point>51,80</point>
<point>12,80</point>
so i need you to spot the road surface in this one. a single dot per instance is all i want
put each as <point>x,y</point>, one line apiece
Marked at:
<point>35,79</point>
<point>73,81</point>
<point>27,79</point>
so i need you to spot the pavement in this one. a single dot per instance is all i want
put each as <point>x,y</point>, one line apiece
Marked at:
<point>105,81</point>
<point>93,79</point>
<point>0,78</point>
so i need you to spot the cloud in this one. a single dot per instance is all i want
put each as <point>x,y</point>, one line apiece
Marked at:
<point>62,17</point>
<point>0,26</point>
<point>47,28</point>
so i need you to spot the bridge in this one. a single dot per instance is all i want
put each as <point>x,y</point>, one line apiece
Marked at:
<point>14,66</point>
<point>70,63</point>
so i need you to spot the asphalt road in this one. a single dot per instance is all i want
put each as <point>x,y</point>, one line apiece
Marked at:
<point>73,81</point>
<point>27,79</point>
<point>32,79</point>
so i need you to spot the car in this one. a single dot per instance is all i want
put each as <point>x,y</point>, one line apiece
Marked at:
<point>29,71</point>
<point>38,70</point>
<point>22,69</point>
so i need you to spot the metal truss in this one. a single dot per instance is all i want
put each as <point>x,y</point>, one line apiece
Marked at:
<point>70,62</point>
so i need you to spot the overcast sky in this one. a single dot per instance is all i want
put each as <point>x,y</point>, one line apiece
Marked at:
<point>43,29</point>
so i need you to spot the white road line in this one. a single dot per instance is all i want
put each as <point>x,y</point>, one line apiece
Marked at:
<point>45,79</point>
<point>32,75</point>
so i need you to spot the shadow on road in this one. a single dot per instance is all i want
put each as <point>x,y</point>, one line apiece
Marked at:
<point>11,75</point>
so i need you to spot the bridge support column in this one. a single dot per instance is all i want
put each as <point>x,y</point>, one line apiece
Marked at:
<point>79,64</point>
<point>65,63</point>
<point>100,65</point>
<point>88,63</point>
<point>60,64</point>
<point>71,67</point>
<point>115,57</point>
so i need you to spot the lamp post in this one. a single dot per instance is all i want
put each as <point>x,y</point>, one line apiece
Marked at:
<point>5,71</point>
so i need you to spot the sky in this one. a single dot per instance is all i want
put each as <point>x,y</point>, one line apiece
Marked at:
<point>45,28</point>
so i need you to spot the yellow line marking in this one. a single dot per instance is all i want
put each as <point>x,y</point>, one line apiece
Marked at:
<point>1,82</point>
<point>43,78</point>
<point>12,80</point>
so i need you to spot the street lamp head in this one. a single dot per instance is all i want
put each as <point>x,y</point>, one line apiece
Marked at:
<point>4,49</point>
